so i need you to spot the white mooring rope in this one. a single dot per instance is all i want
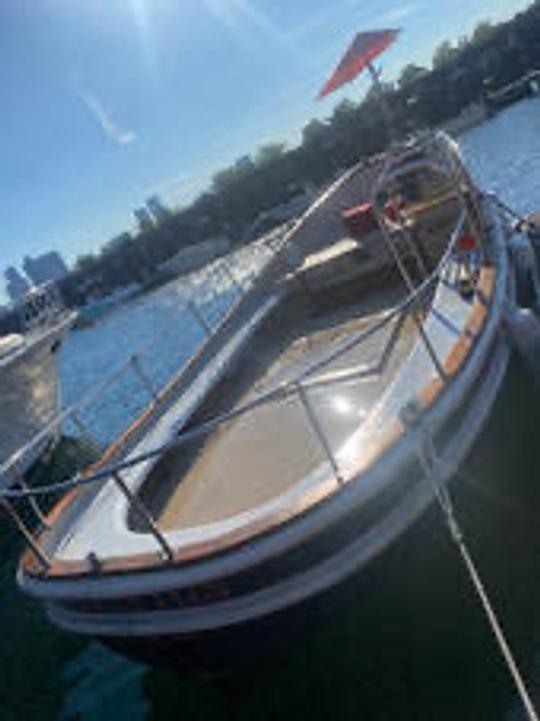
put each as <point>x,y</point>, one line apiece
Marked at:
<point>427,458</point>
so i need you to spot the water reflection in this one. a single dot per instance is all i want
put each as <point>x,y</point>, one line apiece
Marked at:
<point>103,685</point>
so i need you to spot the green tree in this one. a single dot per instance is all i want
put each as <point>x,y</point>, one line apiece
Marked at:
<point>313,132</point>
<point>410,73</point>
<point>225,179</point>
<point>270,153</point>
<point>443,54</point>
<point>482,33</point>
<point>85,263</point>
<point>373,95</point>
<point>461,43</point>
<point>344,112</point>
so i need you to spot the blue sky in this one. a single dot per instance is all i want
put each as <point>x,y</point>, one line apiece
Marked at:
<point>107,101</point>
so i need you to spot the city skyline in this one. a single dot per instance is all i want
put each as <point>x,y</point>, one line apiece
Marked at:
<point>46,267</point>
<point>109,103</point>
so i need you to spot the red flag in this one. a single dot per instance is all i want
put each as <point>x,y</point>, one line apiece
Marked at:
<point>364,48</point>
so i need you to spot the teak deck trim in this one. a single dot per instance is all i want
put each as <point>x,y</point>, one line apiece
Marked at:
<point>150,561</point>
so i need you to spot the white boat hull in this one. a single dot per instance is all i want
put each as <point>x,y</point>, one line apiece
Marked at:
<point>98,574</point>
<point>30,393</point>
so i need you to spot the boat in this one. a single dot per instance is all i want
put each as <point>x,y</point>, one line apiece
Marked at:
<point>527,86</point>
<point>305,436</point>
<point>31,334</point>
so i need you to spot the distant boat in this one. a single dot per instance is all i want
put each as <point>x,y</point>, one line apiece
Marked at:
<point>31,333</point>
<point>525,87</point>
<point>306,435</point>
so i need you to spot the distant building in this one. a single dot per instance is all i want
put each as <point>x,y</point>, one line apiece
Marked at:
<point>16,284</point>
<point>45,268</point>
<point>158,211</point>
<point>143,217</point>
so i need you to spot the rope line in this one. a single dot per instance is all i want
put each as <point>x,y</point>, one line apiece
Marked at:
<point>428,460</point>
<point>521,219</point>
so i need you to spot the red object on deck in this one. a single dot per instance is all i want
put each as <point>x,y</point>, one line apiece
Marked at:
<point>467,243</point>
<point>363,50</point>
<point>391,211</point>
<point>360,220</point>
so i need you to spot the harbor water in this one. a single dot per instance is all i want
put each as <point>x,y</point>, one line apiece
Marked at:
<point>412,642</point>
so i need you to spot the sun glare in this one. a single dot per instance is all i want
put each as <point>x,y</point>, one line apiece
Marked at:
<point>141,17</point>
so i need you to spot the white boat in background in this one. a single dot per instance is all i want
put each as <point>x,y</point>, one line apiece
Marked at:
<point>306,434</point>
<point>31,333</point>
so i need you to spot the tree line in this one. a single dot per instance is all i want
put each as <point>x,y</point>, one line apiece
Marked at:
<point>461,73</point>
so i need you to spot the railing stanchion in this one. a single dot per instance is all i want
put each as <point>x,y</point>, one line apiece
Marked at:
<point>83,430</point>
<point>468,201</point>
<point>21,480</point>
<point>318,431</point>
<point>78,423</point>
<point>232,277</point>
<point>144,513</point>
<point>410,286</point>
<point>143,377</point>
<point>26,533</point>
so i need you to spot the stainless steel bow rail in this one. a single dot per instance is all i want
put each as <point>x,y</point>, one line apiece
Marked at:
<point>218,275</point>
<point>306,380</point>
<point>298,386</point>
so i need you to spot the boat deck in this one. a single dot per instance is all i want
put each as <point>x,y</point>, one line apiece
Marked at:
<point>270,463</point>
<point>267,464</point>
<point>257,456</point>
